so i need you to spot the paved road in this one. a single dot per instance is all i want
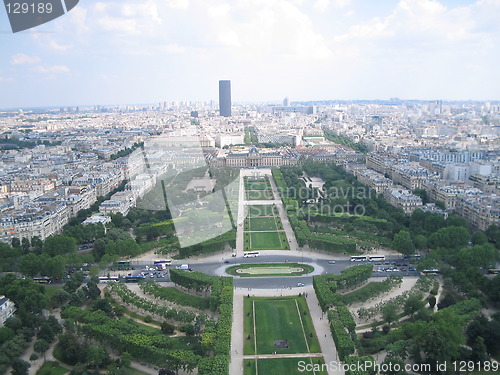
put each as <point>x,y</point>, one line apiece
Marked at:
<point>217,265</point>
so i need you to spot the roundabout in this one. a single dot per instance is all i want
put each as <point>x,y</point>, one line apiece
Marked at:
<point>270,269</point>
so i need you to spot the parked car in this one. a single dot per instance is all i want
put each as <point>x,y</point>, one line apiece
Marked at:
<point>300,284</point>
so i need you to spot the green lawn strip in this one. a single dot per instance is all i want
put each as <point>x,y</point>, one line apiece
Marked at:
<point>248,339</point>
<point>257,186</point>
<point>52,368</point>
<point>308,326</point>
<point>268,241</point>
<point>261,210</point>
<point>278,319</point>
<point>249,367</point>
<point>51,290</point>
<point>176,296</point>
<point>259,195</point>
<point>288,366</point>
<point>262,224</point>
<point>283,240</point>
<point>134,315</point>
<point>151,330</point>
<point>306,269</point>
<point>133,371</point>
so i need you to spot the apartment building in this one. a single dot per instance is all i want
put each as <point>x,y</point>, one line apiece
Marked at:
<point>7,309</point>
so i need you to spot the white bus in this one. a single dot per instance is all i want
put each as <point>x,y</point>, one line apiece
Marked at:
<point>431,272</point>
<point>358,258</point>
<point>105,279</point>
<point>251,254</point>
<point>376,258</point>
<point>162,264</point>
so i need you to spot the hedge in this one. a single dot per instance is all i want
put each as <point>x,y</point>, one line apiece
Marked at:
<point>344,316</point>
<point>371,290</point>
<point>174,295</point>
<point>343,341</point>
<point>327,285</point>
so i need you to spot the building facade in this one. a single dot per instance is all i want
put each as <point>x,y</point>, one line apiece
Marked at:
<point>225,98</point>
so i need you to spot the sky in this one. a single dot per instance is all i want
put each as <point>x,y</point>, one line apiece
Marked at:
<point>147,51</point>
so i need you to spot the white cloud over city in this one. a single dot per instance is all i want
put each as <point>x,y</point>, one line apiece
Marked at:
<point>306,49</point>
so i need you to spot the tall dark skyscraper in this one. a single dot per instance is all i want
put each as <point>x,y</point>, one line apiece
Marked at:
<point>225,98</point>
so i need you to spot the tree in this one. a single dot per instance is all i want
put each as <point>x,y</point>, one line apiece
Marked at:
<point>479,351</point>
<point>59,245</point>
<point>25,245</point>
<point>30,265</point>
<point>393,366</point>
<point>60,297</point>
<point>41,346</point>
<point>126,359</point>
<point>413,304</point>
<point>54,267</point>
<point>36,243</point>
<point>99,249</point>
<point>20,367</point>
<point>446,301</point>
<point>97,356</point>
<point>420,242</point>
<point>46,333</point>
<point>92,290</point>
<point>479,238</point>
<point>432,302</point>
<point>403,243</point>
<point>15,242</point>
<point>441,339</point>
<point>389,313</point>
<point>167,328</point>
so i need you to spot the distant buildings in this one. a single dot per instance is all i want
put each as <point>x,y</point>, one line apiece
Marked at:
<point>225,98</point>
<point>7,309</point>
<point>254,158</point>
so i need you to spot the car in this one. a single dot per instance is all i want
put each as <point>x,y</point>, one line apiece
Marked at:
<point>411,269</point>
<point>300,284</point>
<point>226,261</point>
<point>152,275</point>
<point>331,262</point>
<point>403,269</point>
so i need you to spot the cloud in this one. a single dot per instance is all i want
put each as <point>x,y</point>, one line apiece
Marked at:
<point>21,59</point>
<point>178,4</point>
<point>175,49</point>
<point>324,5</point>
<point>128,18</point>
<point>52,44</point>
<point>52,69</point>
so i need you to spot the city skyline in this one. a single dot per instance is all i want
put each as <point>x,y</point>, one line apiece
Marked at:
<point>144,52</point>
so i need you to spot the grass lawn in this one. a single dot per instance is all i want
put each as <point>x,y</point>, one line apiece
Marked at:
<point>277,319</point>
<point>280,366</point>
<point>257,185</point>
<point>264,223</point>
<point>133,371</point>
<point>52,368</point>
<point>266,241</point>
<point>259,195</point>
<point>482,372</point>
<point>51,290</point>
<point>262,210</point>
<point>270,269</point>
